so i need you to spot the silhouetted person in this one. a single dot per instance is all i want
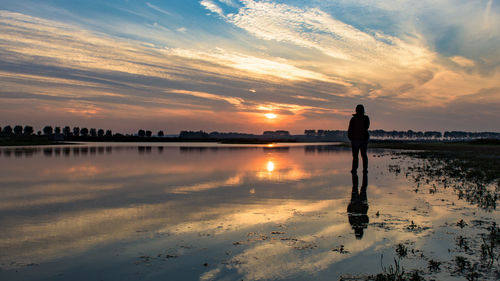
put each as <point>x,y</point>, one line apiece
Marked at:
<point>358,135</point>
<point>358,207</point>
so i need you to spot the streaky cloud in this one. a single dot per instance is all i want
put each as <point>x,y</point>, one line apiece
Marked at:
<point>158,9</point>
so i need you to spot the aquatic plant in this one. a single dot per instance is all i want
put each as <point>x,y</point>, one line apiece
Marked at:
<point>433,265</point>
<point>391,273</point>
<point>475,175</point>
<point>490,247</point>
<point>401,250</point>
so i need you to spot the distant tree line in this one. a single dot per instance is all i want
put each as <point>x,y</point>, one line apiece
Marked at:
<point>406,135</point>
<point>278,133</point>
<point>410,134</point>
<point>77,133</point>
<point>213,135</point>
<point>68,133</point>
<point>330,134</point>
<point>232,135</point>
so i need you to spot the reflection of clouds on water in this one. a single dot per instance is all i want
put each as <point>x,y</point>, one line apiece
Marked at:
<point>232,181</point>
<point>284,222</point>
<point>245,217</point>
<point>114,194</point>
<point>76,231</point>
<point>312,253</point>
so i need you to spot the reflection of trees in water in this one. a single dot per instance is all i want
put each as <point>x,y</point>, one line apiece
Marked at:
<point>65,151</point>
<point>312,149</point>
<point>144,149</point>
<point>75,151</point>
<point>475,176</point>
<point>91,150</point>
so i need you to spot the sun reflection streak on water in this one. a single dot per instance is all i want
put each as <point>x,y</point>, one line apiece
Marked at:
<point>270,166</point>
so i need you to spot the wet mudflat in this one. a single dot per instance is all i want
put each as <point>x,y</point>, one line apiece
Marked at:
<point>243,212</point>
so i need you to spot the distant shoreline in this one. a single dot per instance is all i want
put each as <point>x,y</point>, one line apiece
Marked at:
<point>479,144</point>
<point>482,144</point>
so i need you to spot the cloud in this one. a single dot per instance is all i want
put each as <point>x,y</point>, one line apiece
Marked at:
<point>463,62</point>
<point>298,58</point>
<point>262,67</point>
<point>212,7</point>
<point>60,66</point>
<point>158,9</point>
<point>229,3</point>
<point>230,100</point>
<point>313,28</point>
<point>347,53</point>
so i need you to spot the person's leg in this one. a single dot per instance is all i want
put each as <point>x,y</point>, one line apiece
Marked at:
<point>364,156</point>
<point>362,191</point>
<point>355,159</point>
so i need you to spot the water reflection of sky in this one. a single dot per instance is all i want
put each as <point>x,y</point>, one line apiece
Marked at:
<point>202,212</point>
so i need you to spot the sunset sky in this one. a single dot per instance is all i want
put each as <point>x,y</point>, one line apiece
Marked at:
<point>229,65</point>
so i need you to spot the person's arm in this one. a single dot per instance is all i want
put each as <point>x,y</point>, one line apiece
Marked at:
<point>349,130</point>
<point>367,122</point>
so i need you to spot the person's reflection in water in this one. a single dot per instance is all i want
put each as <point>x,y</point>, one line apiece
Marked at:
<point>358,207</point>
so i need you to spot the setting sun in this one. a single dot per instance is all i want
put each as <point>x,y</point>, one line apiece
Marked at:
<point>270,115</point>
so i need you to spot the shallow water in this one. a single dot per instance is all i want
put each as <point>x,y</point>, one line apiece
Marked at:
<point>219,212</point>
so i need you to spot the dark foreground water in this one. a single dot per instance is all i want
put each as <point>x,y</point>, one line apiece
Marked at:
<point>227,212</point>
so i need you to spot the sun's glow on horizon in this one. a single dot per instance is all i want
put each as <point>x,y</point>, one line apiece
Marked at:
<point>271,115</point>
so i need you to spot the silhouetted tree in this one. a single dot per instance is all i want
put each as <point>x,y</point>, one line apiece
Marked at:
<point>109,133</point>
<point>28,130</point>
<point>193,135</point>
<point>76,131</point>
<point>57,130</point>
<point>148,133</point>
<point>93,132</point>
<point>18,130</point>
<point>433,134</point>
<point>84,132</point>
<point>410,134</point>
<point>47,130</point>
<point>278,133</point>
<point>7,130</point>
<point>100,133</point>
<point>66,131</point>
<point>39,133</point>
<point>141,133</point>
<point>160,133</point>
<point>310,133</point>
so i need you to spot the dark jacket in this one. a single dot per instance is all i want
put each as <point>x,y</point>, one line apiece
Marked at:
<point>358,128</point>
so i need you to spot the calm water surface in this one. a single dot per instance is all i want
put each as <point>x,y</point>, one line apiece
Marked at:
<point>215,212</point>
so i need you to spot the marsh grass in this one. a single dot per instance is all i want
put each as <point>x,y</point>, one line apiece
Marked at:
<point>472,170</point>
<point>473,173</point>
